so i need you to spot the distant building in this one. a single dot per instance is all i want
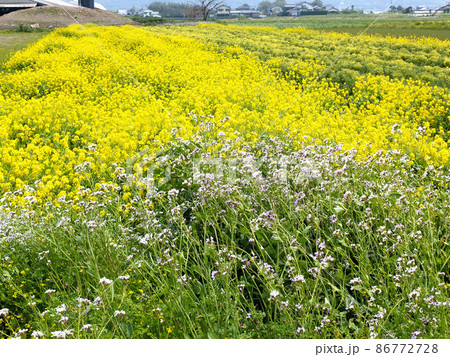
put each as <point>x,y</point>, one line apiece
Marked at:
<point>122,12</point>
<point>305,8</point>
<point>149,13</point>
<point>7,6</point>
<point>331,9</point>
<point>222,12</point>
<point>422,11</point>
<point>245,13</point>
<point>443,10</point>
<point>95,4</point>
<point>275,10</point>
<point>86,3</point>
<point>301,8</point>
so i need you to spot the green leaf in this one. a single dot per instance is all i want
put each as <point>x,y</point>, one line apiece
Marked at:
<point>129,330</point>
<point>244,231</point>
<point>212,335</point>
<point>339,208</point>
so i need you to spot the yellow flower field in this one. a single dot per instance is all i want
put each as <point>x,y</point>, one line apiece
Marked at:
<point>215,182</point>
<point>67,104</point>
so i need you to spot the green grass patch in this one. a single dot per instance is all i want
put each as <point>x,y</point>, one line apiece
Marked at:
<point>12,41</point>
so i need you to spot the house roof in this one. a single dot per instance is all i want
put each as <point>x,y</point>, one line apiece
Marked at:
<point>245,11</point>
<point>55,3</point>
<point>33,3</point>
<point>443,7</point>
<point>17,3</point>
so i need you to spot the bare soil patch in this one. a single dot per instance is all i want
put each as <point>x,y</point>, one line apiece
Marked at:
<point>54,16</point>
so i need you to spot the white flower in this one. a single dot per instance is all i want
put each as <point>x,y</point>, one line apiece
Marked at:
<point>347,195</point>
<point>4,312</point>
<point>396,129</point>
<point>123,277</point>
<point>61,308</point>
<point>355,281</point>
<point>83,301</point>
<point>173,193</point>
<point>92,147</point>
<point>325,321</point>
<point>414,293</point>
<point>300,278</point>
<point>37,334</point>
<point>274,294</point>
<point>105,281</point>
<point>62,334</point>
<point>64,319</point>
<point>22,332</point>
<point>86,327</point>
<point>214,274</point>
<point>92,224</point>
<point>119,313</point>
<point>50,291</point>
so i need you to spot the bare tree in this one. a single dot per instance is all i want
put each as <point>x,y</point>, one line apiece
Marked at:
<point>205,7</point>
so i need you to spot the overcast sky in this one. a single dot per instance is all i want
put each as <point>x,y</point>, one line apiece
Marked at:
<point>359,4</point>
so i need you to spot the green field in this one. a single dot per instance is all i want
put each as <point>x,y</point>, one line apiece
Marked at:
<point>386,25</point>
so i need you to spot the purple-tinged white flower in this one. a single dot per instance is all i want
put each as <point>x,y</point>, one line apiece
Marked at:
<point>105,281</point>
<point>62,334</point>
<point>37,334</point>
<point>22,332</point>
<point>355,281</point>
<point>119,313</point>
<point>298,278</point>
<point>86,327</point>
<point>61,308</point>
<point>274,294</point>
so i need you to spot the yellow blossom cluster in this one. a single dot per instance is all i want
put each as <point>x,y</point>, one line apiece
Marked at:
<point>79,101</point>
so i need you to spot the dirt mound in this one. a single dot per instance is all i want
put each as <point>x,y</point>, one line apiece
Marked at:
<point>54,16</point>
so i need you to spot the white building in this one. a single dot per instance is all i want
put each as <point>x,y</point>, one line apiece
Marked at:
<point>149,13</point>
<point>223,11</point>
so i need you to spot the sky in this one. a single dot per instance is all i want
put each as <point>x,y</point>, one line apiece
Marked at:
<point>378,5</point>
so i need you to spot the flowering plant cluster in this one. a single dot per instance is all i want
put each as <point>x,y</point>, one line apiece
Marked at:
<point>181,196</point>
<point>69,111</point>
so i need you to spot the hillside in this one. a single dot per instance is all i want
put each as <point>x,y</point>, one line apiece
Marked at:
<point>52,16</point>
